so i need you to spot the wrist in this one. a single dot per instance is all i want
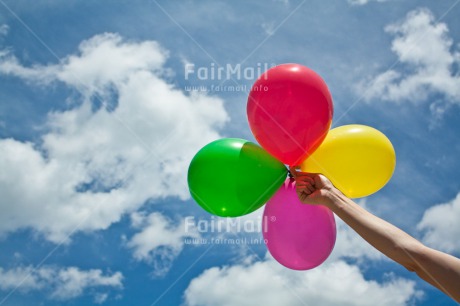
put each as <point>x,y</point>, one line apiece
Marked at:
<point>334,197</point>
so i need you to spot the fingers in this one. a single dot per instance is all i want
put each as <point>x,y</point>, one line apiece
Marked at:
<point>293,170</point>
<point>296,172</point>
<point>302,196</point>
<point>305,184</point>
<point>308,189</point>
<point>302,179</point>
<point>307,174</point>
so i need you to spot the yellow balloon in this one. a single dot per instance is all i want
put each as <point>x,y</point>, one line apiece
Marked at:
<point>359,160</point>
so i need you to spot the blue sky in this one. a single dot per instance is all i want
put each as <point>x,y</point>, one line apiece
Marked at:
<point>98,126</point>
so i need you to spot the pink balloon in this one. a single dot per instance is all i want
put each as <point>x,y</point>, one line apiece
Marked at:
<point>290,112</point>
<point>299,236</point>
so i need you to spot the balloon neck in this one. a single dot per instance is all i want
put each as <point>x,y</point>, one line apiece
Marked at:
<point>289,183</point>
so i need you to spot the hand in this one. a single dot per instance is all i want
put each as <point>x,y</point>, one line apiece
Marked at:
<point>313,188</point>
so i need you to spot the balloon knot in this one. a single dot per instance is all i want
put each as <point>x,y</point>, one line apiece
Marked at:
<point>291,178</point>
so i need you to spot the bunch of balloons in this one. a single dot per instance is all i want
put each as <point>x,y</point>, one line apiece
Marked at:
<point>290,114</point>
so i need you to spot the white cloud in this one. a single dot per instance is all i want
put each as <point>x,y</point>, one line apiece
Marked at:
<point>268,283</point>
<point>100,298</point>
<point>440,226</point>
<point>71,282</point>
<point>438,108</point>
<point>159,241</point>
<point>4,29</point>
<point>59,283</point>
<point>269,28</point>
<point>423,47</point>
<point>29,278</point>
<point>97,163</point>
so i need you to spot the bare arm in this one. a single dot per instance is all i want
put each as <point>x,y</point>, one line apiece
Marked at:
<point>437,268</point>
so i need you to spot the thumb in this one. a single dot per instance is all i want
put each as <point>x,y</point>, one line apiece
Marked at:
<point>293,170</point>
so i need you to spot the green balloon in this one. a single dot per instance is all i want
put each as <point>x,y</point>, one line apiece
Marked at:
<point>232,177</point>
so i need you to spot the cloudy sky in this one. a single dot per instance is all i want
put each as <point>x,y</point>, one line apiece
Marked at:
<point>104,103</point>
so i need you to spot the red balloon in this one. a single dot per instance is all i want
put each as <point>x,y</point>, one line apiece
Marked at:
<point>290,112</point>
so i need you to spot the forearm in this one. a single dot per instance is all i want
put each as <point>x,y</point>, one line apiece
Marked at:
<point>437,268</point>
<point>388,239</point>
